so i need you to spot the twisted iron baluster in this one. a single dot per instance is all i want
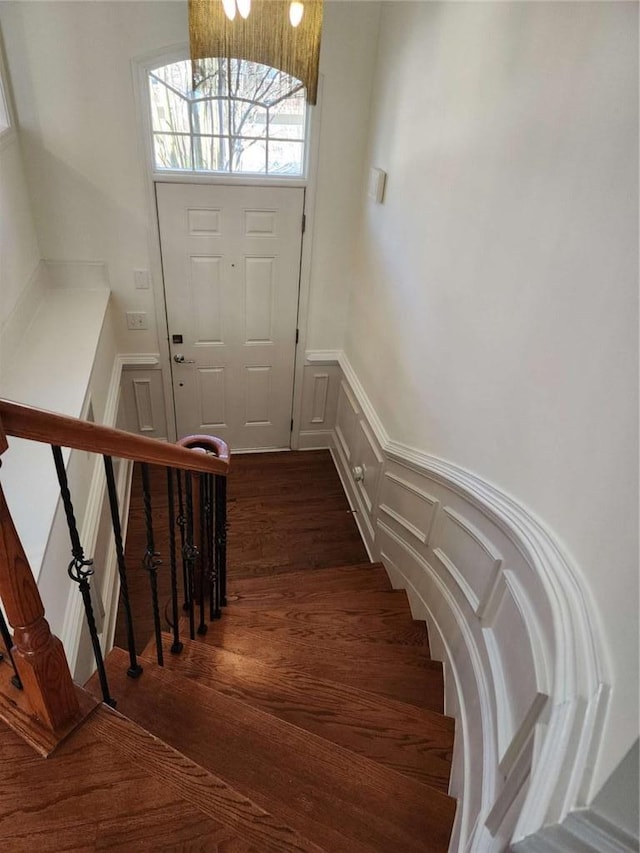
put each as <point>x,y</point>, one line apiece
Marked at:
<point>202,627</point>
<point>134,667</point>
<point>181,521</point>
<point>214,574</point>
<point>7,639</point>
<point>150,562</point>
<point>221,535</point>
<point>190,552</point>
<point>80,570</point>
<point>176,647</point>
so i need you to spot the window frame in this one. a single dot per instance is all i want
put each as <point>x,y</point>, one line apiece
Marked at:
<point>210,176</point>
<point>8,131</point>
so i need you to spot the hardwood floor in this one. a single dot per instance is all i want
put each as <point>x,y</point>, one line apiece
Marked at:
<point>286,512</point>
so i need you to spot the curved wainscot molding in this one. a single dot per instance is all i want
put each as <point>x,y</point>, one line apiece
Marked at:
<point>506,613</point>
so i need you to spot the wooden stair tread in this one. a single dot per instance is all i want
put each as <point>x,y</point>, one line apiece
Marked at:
<point>408,675</point>
<point>412,741</point>
<point>232,633</point>
<point>356,628</point>
<point>342,603</point>
<point>371,576</point>
<point>90,795</point>
<point>335,798</point>
<point>202,789</point>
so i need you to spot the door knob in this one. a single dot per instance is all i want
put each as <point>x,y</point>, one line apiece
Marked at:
<point>180,359</point>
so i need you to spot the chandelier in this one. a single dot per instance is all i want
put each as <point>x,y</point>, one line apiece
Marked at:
<point>278,33</point>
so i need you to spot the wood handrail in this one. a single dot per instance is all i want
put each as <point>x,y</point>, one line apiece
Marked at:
<point>34,424</point>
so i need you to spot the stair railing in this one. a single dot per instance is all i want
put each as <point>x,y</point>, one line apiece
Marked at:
<point>37,695</point>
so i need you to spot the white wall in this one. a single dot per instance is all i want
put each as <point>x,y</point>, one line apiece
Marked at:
<point>349,39</point>
<point>76,113</point>
<point>19,253</point>
<point>618,800</point>
<point>75,106</point>
<point>493,319</point>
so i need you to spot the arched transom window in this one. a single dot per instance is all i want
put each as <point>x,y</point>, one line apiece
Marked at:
<point>240,117</point>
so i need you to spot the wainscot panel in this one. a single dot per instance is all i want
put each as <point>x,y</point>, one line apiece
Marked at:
<point>525,676</point>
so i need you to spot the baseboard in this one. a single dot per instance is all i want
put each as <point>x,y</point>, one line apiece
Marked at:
<point>314,440</point>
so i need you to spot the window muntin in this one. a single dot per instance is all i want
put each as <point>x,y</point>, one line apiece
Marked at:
<point>241,117</point>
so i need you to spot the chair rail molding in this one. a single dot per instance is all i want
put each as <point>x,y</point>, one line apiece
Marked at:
<point>526,672</point>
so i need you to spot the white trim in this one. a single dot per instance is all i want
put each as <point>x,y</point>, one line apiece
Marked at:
<point>8,134</point>
<point>461,632</point>
<point>223,178</point>
<point>574,671</point>
<point>322,356</point>
<point>580,668</point>
<point>304,292</point>
<point>314,439</point>
<point>139,68</point>
<point>134,360</point>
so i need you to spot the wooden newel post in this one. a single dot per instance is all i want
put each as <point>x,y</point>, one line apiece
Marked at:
<point>39,656</point>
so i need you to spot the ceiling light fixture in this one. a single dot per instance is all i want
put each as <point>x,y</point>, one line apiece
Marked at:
<point>244,7</point>
<point>296,11</point>
<point>281,34</point>
<point>229,7</point>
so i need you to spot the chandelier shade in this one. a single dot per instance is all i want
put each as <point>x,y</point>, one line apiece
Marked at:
<point>265,36</point>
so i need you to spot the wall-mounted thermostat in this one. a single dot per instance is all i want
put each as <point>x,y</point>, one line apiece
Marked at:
<point>377,180</point>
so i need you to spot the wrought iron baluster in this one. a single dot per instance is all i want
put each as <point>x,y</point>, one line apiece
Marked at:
<point>134,667</point>
<point>176,646</point>
<point>190,551</point>
<point>7,639</point>
<point>221,534</point>
<point>202,499</point>
<point>181,521</point>
<point>214,574</point>
<point>151,562</point>
<point>80,570</point>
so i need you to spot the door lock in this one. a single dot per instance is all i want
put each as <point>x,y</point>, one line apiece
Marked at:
<point>180,359</point>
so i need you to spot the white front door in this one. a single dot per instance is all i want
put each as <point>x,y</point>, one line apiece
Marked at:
<point>231,262</point>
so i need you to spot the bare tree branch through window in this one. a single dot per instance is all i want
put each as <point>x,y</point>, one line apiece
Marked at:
<point>227,115</point>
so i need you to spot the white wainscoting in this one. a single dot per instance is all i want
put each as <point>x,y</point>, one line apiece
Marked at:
<point>143,395</point>
<point>524,675</point>
<point>319,399</point>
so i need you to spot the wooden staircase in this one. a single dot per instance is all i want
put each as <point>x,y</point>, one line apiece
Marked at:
<point>308,718</point>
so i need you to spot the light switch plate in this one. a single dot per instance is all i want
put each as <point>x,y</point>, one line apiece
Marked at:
<point>141,279</point>
<point>377,180</point>
<point>136,320</point>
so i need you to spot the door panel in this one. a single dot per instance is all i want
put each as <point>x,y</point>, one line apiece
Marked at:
<point>231,260</point>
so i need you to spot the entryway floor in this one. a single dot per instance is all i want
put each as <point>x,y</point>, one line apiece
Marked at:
<point>286,512</point>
